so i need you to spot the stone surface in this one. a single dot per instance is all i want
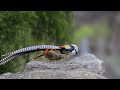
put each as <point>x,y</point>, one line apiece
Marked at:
<point>86,61</point>
<point>86,66</point>
<point>55,74</point>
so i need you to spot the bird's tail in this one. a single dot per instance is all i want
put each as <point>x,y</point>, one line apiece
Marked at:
<point>9,56</point>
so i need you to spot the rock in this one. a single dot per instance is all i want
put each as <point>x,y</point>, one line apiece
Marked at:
<point>86,61</point>
<point>56,74</point>
<point>91,63</point>
<point>5,75</point>
<point>86,66</point>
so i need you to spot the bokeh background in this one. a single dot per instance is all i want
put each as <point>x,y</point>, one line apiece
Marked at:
<point>95,32</point>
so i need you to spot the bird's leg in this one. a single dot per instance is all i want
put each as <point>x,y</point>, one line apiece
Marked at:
<point>68,57</point>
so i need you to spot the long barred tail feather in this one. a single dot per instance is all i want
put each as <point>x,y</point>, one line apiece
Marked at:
<point>12,55</point>
<point>32,49</point>
<point>5,60</point>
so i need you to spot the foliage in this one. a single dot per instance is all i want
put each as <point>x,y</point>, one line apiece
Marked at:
<point>103,29</point>
<point>84,31</point>
<point>97,30</point>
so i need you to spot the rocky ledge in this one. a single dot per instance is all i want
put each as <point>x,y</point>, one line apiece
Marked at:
<point>86,66</point>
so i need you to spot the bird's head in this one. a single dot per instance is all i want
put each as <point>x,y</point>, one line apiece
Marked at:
<point>74,50</point>
<point>69,49</point>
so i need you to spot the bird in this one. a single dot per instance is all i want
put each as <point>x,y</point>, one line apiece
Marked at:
<point>68,50</point>
<point>51,55</point>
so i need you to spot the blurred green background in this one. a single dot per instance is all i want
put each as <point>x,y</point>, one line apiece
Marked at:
<point>95,32</point>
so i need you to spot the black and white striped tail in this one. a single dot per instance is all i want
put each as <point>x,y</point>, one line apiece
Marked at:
<point>12,55</point>
<point>8,58</point>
